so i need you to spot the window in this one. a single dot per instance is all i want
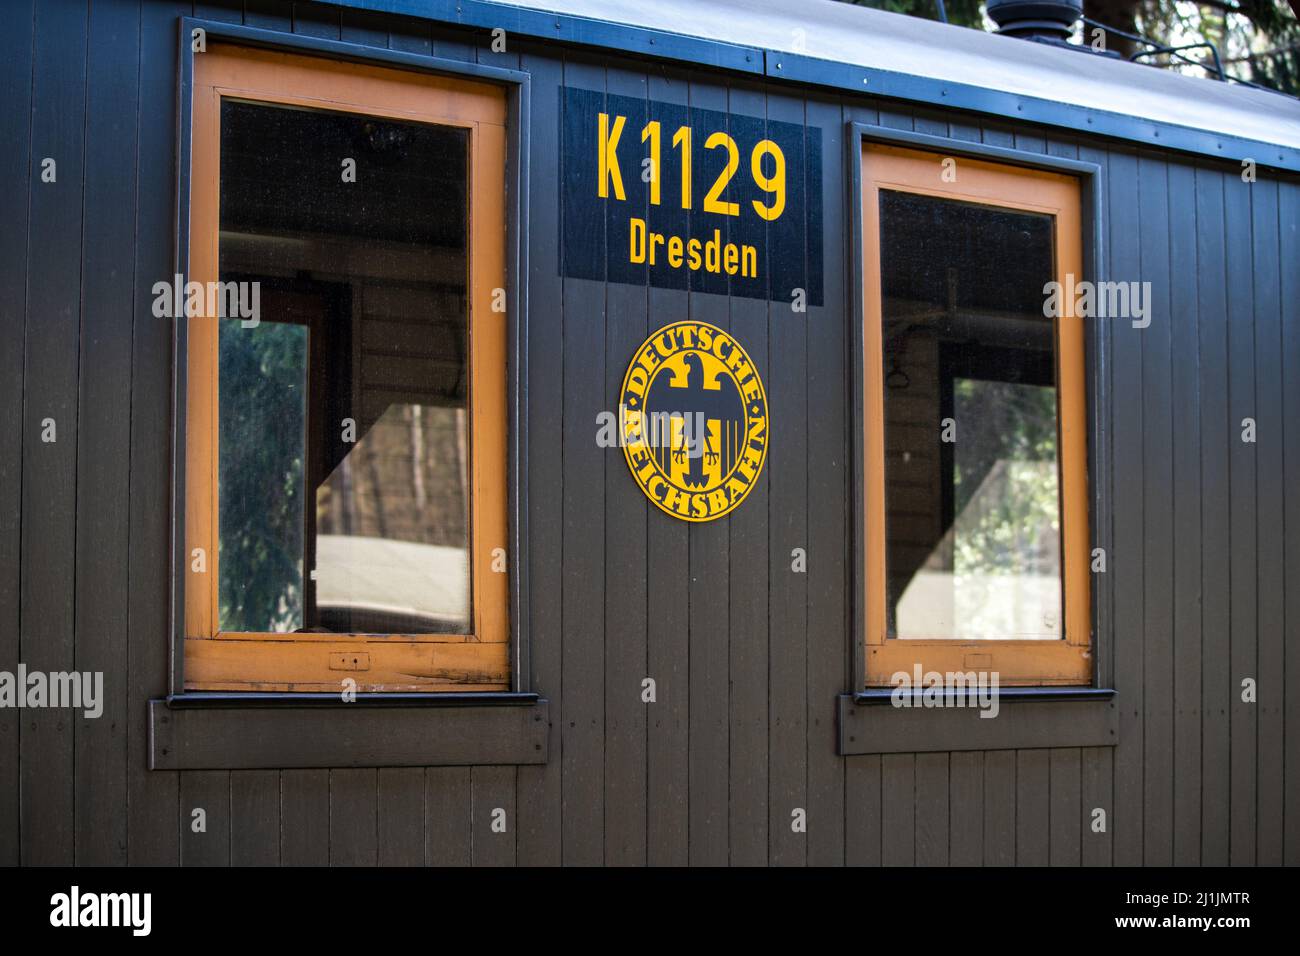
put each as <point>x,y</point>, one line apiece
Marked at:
<point>976,451</point>
<point>346,380</point>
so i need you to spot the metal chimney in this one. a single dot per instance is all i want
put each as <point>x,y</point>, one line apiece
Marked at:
<point>1030,19</point>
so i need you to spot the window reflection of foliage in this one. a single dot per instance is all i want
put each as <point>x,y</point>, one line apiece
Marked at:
<point>262,408</point>
<point>1011,530</point>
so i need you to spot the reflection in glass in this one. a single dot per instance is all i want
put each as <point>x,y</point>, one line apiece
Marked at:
<point>344,441</point>
<point>972,500</point>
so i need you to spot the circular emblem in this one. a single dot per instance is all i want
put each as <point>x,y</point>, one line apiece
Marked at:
<point>693,421</point>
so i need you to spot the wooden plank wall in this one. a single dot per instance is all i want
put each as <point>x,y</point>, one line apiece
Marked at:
<point>747,654</point>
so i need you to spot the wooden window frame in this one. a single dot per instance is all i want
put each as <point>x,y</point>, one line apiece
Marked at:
<point>225,661</point>
<point>987,181</point>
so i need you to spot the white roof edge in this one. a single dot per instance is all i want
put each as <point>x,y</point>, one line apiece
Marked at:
<point>874,39</point>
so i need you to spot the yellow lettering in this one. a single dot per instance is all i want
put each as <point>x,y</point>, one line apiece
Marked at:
<point>609,171</point>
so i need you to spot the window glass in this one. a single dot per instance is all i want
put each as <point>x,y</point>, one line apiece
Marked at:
<point>972,489</point>
<point>343,476</point>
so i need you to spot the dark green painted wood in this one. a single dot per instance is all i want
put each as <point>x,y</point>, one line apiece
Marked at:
<point>49,485</point>
<point>583,556</point>
<point>305,818</point>
<point>354,816</point>
<point>966,808</point>
<point>1126,563</point>
<point>1217,434</point>
<point>862,811</point>
<point>539,824</point>
<point>1289,237</point>
<point>1185,397</point>
<point>1157,508</point>
<point>104,432</point>
<point>205,818</point>
<point>1033,807</point>
<point>787,592</point>
<point>401,816</point>
<point>255,818</point>
<point>447,809</point>
<point>1065,814</point>
<point>668,628</point>
<point>932,809</point>
<point>1270,665</point>
<point>749,637</point>
<point>151,798</point>
<point>627,601</point>
<point>493,817</point>
<point>827,347</point>
<point>15,167</point>
<point>1000,808</point>
<point>1242,505</point>
<point>898,810</point>
<point>709,594</point>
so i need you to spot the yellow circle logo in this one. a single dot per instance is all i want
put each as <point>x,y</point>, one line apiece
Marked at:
<point>693,421</point>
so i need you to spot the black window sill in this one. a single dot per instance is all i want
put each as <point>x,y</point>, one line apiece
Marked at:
<point>247,731</point>
<point>1027,718</point>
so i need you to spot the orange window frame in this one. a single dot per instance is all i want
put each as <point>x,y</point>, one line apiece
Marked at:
<point>1066,661</point>
<point>222,660</point>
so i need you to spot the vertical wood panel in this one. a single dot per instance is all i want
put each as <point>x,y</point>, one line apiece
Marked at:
<point>862,811</point>
<point>255,818</point>
<point>709,601</point>
<point>1126,563</point>
<point>401,816</point>
<point>152,798</point>
<point>493,796</point>
<point>1097,789</point>
<point>50,392</point>
<point>205,803</point>
<point>787,467</point>
<point>104,431</point>
<point>305,818</point>
<point>1243,515</point>
<point>447,820</point>
<point>269,14</point>
<point>1270,666</point>
<point>667,630</point>
<point>583,752</point>
<point>1157,509</point>
<point>1065,811</point>
<point>1289,230</point>
<point>747,545</point>
<point>316,20</point>
<point>827,494</point>
<point>966,808</point>
<point>354,813</point>
<point>539,786</point>
<point>1033,808</point>
<point>898,810</point>
<point>15,160</point>
<point>626,600</point>
<point>1184,321</point>
<point>1216,434</point>
<point>999,808</point>
<point>932,809</point>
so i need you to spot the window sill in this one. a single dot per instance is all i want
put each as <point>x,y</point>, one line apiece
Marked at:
<point>1027,718</point>
<point>247,731</point>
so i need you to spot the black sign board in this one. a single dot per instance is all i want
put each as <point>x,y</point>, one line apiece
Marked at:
<point>687,198</point>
